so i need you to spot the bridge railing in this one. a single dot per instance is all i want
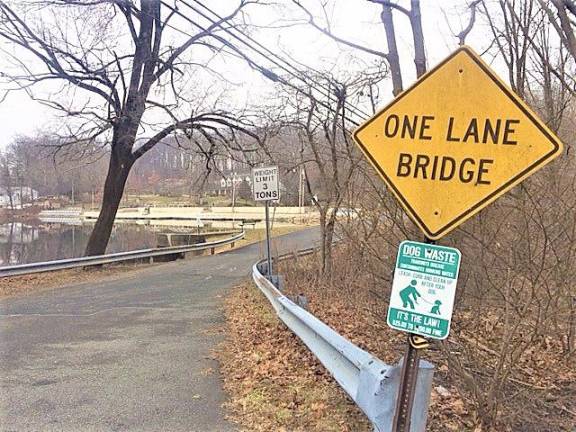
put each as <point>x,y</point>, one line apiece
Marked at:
<point>22,269</point>
<point>372,384</point>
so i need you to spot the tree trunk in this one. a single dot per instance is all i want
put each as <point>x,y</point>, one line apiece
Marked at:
<point>11,198</point>
<point>418,36</point>
<point>329,238</point>
<point>118,170</point>
<point>9,245</point>
<point>392,56</point>
<point>327,225</point>
<point>323,238</point>
<point>569,36</point>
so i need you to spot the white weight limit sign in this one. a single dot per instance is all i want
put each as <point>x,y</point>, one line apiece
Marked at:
<point>265,183</point>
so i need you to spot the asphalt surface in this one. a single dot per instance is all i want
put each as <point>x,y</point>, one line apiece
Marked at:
<point>129,354</point>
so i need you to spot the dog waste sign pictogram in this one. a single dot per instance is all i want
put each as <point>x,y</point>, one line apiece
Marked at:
<point>454,142</point>
<point>423,290</point>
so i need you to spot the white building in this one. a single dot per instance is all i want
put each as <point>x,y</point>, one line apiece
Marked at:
<point>20,195</point>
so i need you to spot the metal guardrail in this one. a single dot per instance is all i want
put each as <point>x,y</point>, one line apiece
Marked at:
<point>372,384</point>
<point>22,269</point>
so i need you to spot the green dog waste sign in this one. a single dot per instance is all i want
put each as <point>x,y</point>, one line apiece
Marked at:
<point>423,289</point>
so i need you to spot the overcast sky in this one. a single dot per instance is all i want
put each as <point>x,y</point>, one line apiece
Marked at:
<point>356,20</point>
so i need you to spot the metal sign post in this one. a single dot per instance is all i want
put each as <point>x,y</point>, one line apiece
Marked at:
<point>426,264</point>
<point>423,289</point>
<point>268,248</point>
<point>421,303</point>
<point>266,188</point>
<point>408,378</point>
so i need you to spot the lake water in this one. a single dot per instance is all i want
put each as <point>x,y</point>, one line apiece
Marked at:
<point>22,243</point>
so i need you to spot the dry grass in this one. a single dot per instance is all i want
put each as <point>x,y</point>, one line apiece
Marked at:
<point>273,381</point>
<point>33,283</point>
<point>258,235</point>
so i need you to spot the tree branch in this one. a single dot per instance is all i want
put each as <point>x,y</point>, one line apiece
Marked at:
<point>168,64</point>
<point>328,33</point>
<point>466,31</point>
<point>200,122</point>
<point>392,5</point>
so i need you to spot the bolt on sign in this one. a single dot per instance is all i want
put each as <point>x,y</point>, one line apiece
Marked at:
<point>265,183</point>
<point>423,289</point>
<point>454,142</point>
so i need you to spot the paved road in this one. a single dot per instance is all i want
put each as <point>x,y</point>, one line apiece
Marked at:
<point>132,354</point>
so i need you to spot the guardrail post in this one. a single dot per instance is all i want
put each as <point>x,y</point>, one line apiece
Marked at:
<point>378,392</point>
<point>302,301</point>
<point>212,250</point>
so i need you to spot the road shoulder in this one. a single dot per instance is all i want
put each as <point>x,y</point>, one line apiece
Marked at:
<point>271,379</point>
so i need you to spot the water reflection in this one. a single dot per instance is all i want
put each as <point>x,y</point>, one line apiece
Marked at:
<point>22,243</point>
<point>60,238</point>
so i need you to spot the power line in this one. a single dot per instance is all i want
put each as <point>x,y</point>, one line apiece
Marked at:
<point>285,64</point>
<point>267,73</point>
<point>301,76</point>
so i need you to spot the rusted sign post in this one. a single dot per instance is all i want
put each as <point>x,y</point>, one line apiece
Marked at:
<point>408,378</point>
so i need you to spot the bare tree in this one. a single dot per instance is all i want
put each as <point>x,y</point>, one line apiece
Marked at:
<point>540,67</point>
<point>330,162</point>
<point>466,30</point>
<point>562,19</point>
<point>391,55</point>
<point>6,180</point>
<point>126,72</point>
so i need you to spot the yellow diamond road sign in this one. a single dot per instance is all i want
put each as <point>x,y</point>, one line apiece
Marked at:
<point>454,142</point>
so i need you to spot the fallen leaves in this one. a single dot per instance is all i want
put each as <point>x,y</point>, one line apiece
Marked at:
<point>32,283</point>
<point>276,384</point>
<point>539,393</point>
<point>273,381</point>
